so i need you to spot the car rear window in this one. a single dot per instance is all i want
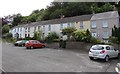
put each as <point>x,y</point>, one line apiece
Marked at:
<point>97,47</point>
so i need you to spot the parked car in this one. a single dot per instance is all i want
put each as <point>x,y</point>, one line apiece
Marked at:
<point>16,43</point>
<point>103,52</point>
<point>117,68</point>
<point>20,43</point>
<point>34,44</point>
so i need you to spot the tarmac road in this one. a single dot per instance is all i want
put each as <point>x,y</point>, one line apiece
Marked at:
<point>19,59</point>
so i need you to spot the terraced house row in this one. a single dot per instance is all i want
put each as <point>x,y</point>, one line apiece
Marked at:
<point>100,25</point>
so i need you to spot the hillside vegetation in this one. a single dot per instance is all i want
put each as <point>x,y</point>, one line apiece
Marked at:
<point>66,9</point>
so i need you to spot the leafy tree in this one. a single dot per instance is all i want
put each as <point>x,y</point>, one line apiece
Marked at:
<point>17,19</point>
<point>5,29</point>
<point>37,35</point>
<point>116,33</point>
<point>9,35</point>
<point>88,36</point>
<point>68,31</point>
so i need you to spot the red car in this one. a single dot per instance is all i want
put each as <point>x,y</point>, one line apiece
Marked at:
<point>34,44</point>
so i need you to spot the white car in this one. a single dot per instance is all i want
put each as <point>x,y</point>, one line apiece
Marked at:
<point>118,68</point>
<point>103,52</point>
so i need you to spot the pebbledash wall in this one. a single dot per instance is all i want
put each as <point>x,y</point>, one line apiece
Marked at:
<point>100,25</point>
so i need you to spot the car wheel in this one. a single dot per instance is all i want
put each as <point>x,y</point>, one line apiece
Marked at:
<point>91,58</point>
<point>107,58</point>
<point>31,47</point>
<point>43,46</point>
<point>27,47</point>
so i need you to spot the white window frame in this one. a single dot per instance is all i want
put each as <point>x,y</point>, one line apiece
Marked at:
<point>68,25</point>
<point>61,26</point>
<point>105,34</point>
<point>49,27</point>
<point>93,24</point>
<point>94,34</point>
<point>28,29</point>
<point>35,29</point>
<point>105,23</point>
<point>81,24</point>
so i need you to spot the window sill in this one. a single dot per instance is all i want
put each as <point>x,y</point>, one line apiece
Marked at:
<point>94,28</point>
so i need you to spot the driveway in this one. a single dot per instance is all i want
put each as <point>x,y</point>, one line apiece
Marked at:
<point>19,59</point>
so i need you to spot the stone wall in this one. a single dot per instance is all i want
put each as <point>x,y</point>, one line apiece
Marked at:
<point>76,46</point>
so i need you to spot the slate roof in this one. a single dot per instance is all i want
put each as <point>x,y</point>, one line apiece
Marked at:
<point>105,15</point>
<point>64,20</point>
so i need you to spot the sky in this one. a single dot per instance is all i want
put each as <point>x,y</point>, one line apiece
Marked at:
<point>25,7</point>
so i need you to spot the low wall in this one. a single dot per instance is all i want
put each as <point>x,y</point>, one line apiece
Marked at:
<point>76,46</point>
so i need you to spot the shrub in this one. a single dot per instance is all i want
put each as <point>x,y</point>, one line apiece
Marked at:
<point>79,35</point>
<point>9,35</point>
<point>51,37</point>
<point>37,35</point>
<point>28,38</point>
<point>113,39</point>
<point>68,31</point>
<point>95,41</point>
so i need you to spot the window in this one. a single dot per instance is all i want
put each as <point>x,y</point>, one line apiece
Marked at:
<point>72,25</point>
<point>81,24</point>
<point>49,28</point>
<point>34,29</point>
<point>68,25</point>
<point>25,29</point>
<point>15,30</point>
<point>61,26</point>
<point>28,29</point>
<point>93,24</point>
<point>105,34</point>
<point>21,29</point>
<point>38,27</point>
<point>20,35</point>
<point>43,28</point>
<point>105,23</point>
<point>18,29</point>
<point>94,34</point>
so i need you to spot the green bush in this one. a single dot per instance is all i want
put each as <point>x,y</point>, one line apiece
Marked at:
<point>28,38</point>
<point>95,41</point>
<point>51,37</point>
<point>113,39</point>
<point>82,35</point>
<point>56,40</point>
<point>9,35</point>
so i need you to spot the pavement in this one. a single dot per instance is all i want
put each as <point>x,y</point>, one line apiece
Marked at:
<point>20,59</point>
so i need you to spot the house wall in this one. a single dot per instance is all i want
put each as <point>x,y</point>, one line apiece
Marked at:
<point>99,30</point>
<point>86,25</point>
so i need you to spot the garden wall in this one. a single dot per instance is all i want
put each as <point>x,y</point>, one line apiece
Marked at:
<point>76,46</point>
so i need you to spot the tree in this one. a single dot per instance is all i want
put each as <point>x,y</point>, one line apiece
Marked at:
<point>17,19</point>
<point>68,31</point>
<point>88,36</point>
<point>5,29</point>
<point>116,33</point>
<point>37,35</point>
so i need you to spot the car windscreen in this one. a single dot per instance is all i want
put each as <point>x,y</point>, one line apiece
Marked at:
<point>18,41</point>
<point>97,47</point>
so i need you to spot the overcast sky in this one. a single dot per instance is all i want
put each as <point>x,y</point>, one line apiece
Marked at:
<point>25,7</point>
